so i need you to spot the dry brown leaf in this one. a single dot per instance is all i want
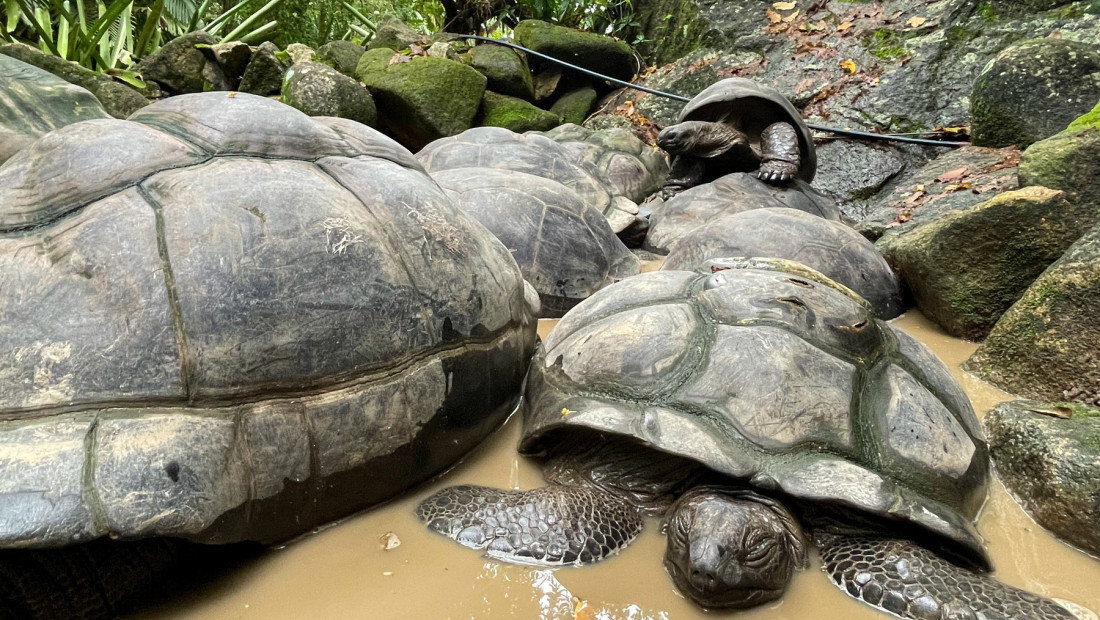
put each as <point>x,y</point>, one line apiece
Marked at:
<point>952,176</point>
<point>954,187</point>
<point>803,85</point>
<point>915,22</point>
<point>783,6</point>
<point>790,18</point>
<point>583,611</point>
<point>844,26</point>
<point>849,65</point>
<point>773,17</point>
<point>389,541</point>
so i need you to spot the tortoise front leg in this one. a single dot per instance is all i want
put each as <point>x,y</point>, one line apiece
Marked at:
<point>779,154</point>
<point>549,526</point>
<point>686,172</point>
<point>912,582</point>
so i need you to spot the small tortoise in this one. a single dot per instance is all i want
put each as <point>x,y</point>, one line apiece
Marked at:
<point>749,406</point>
<point>564,248</point>
<point>737,125</point>
<point>222,320</point>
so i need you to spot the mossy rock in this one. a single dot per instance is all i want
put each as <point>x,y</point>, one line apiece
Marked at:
<point>119,100</point>
<point>421,99</point>
<point>1069,161</point>
<point>506,71</point>
<point>34,102</point>
<point>394,34</point>
<point>595,52</point>
<point>967,267</point>
<point>319,90</point>
<point>1048,455</point>
<point>264,73</point>
<point>1047,345</point>
<point>515,114</point>
<point>341,55</point>
<point>574,106</point>
<point>181,67</point>
<point>1033,90</point>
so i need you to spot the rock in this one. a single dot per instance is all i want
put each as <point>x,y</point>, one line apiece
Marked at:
<point>1048,455</point>
<point>299,52</point>
<point>506,71</point>
<point>1069,161</point>
<point>264,74</point>
<point>574,106</point>
<point>319,90</point>
<point>394,34</point>
<point>849,171</point>
<point>117,99</point>
<point>515,114</point>
<point>341,55</point>
<point>1032,90</point>
<point>668,29</point>
<point>421,99</point>
<point>546,82</point>
<point>956,180</point>
<point>442,49</point>
<point>594,52</point>
<point>180,66</point>
<point>1047,345</point>
<point>233,58</point>
<point>34,102</point>
<point>967,267</point>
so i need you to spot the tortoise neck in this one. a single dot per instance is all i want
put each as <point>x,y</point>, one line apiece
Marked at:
<point>641,475</point>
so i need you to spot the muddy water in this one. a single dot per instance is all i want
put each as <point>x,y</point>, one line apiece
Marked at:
<point>345,572</point>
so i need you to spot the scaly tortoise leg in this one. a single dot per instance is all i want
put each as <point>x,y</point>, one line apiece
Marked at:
<point>779,154</point>
<point>911,582</point>
<point>548,526</point>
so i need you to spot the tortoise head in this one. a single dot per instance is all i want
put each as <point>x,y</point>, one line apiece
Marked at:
<point>732,548</point>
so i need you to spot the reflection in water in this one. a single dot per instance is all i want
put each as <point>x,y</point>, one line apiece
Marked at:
<point>344,572</point>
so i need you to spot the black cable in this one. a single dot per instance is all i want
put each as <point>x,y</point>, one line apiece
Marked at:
<point>843,132</point>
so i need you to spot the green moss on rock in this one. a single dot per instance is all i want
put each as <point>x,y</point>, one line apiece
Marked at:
<point>515,114</point>
<point>966,268</point>
<point>595,52</point>
<point>574,106</point>
<point>319,90</point>
<point>422,98</point>
<point>507,73</point>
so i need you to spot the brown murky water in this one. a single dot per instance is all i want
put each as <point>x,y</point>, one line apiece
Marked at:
<point>345,573</point>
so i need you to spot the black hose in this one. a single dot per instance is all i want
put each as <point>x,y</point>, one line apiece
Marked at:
<point>843,132</point>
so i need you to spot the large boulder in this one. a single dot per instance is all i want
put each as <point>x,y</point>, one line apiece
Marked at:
<point>264,73</point>
<point>954,181</point>
<point>34,102</point>
<point>507,73</point>
<point>968,267</point>
<point>421,98</point>
<point>396,35</point>
<point>595,52</point>
<point>119,100</point>
<point>1069,161</point>
<point>1032,90</point>
<point>319,90</point>
<point>233,58</point>
<point>1047,345</point>
<point>182,66</point>
<point>341,55</point>
<point>1048,455</point>
<point>574,106</point>
<point>515,114</point>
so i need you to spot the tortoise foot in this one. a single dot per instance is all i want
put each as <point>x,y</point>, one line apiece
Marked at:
<point>549,526</point>
<point>904,579</point>
<point>777,172</point>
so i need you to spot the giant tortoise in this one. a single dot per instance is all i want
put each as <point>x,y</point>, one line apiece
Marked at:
<point>564,247</point>
<point>222,320</point>
<point>759,407</point>
<point>738,125</point>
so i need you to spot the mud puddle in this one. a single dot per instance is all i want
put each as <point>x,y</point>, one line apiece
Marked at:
<point>346,571</point>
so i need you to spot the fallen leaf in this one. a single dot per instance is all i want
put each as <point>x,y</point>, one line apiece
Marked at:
<point>849,65</point>
<point>919,188</point>
<point>954,187</point>
<point>582,611</point>
<point>953,176</point>
<point>773,17</point>
<point>783,6</point>
<point>844,26</point>
<point>232,94</point>
<point>790,18</point>
<point>903,218</point>
<point>389,541</point>
<point>915,22</point>
<point>565,411</point>
<point>803,85</point>
<point>1057,411</point>
<point>416,50</point>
